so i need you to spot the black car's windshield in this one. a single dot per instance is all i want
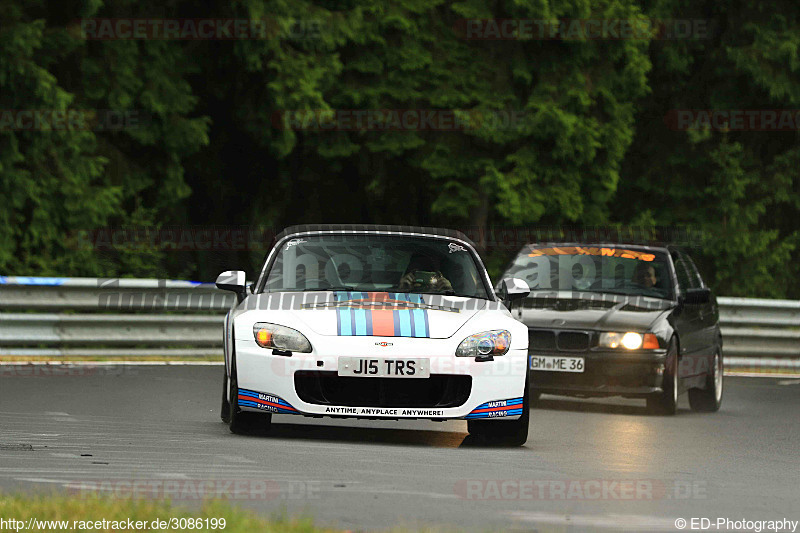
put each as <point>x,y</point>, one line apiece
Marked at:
<point>607,269</point>
<point>376,263</point>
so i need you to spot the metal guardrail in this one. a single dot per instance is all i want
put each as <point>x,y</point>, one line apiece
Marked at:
<point>760,327</point>
<point>82,294</point>
<point>138,317</point>
<point>110,317</point>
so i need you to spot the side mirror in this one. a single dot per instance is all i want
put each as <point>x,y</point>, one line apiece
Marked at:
<point>513,289</point>
<point>234,281</point>
<point>697,296</point>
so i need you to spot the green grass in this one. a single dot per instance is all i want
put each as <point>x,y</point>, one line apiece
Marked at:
<point>71,509</point>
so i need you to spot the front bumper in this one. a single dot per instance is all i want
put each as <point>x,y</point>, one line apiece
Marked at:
<point>285,385</point>
<point>606,373</point>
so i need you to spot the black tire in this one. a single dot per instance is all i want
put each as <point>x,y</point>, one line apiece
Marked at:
<point>244,422</point>
<point>666,401</point>
<point>225,410</point>
<point>709,399</point>
<point>504,432</point>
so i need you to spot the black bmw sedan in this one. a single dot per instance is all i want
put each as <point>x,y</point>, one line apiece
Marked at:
<point>620,320</point>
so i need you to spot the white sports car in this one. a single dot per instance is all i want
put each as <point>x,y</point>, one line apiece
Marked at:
<point>378,322</point>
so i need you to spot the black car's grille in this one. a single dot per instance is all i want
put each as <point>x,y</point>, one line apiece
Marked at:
<point>541,340</point>
<point>554,340</point>
<point>573,340</point>
<point>328,388</point>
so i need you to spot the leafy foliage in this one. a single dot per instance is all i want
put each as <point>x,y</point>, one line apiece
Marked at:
<point>555,132</point>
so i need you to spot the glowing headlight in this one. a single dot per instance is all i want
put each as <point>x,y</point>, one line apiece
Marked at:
<point>280,338</point>
<point>629,340</point>
<point>632,341</point>
<point>485,344</point>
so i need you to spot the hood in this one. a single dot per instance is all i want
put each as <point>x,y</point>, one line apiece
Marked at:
<point>380,314</point>
<point>609,314</point>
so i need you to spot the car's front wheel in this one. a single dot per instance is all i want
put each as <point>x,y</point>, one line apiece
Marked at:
<point>225,410</point>
<point>504,432</point>
<point>709,399</point>
<point>244,422</point>
<point>666,401</point>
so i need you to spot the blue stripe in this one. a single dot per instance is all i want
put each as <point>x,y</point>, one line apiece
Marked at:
<point>247,403</point>
<point>346,321</point>
<point>338,321</point>
<point>486,415</point>
<point>360,319</point>
<point>411,321</point>
<point>254,394</point>
<point>421,324</point>
<point>427,325</point>
<point>353,322</point>
<point>370,331</point>
<point>405,323</point>
<point>396,322</point>
<point>512,401</point>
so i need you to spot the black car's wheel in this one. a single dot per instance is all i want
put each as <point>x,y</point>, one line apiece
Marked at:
<point>504,432</point>
<point>225,410</point>
<point>666,401</point>
<point>709,399</point>
<point>245,422</point>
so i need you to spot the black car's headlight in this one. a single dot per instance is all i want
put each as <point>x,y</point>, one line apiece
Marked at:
<point>280,338</point>
<point>485,344</point>
<point>630,340</point>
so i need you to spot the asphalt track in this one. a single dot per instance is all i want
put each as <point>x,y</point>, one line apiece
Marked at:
<point>603,465</point>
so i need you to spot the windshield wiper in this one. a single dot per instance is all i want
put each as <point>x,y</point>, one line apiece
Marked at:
<point>448,292</point>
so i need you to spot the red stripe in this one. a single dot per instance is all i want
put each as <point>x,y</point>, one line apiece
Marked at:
<point>501,408</point>
<point>378,296</point>
<point>382,323</point>
<point>265,402</point>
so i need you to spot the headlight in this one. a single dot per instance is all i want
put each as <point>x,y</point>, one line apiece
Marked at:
<point>280,338</point>
<point>629,340</point>
<point>485,344</point>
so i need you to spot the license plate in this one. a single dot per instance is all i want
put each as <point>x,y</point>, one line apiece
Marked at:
<point>550,363</point>
<point>365,367</point>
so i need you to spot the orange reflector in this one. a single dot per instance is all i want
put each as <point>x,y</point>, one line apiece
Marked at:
<point>263,337</point>
<point>650,342</point>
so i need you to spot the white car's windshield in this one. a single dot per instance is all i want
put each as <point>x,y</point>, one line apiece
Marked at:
<point>377,263</point>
